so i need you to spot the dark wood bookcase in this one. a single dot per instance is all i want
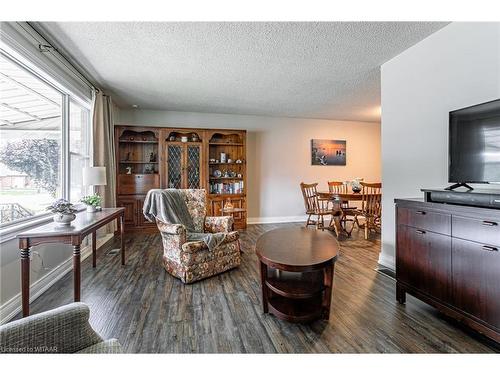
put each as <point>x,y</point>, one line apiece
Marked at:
<point>182,158</point>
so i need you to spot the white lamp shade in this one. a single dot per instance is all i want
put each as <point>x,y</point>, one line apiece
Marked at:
<point>94,176</point>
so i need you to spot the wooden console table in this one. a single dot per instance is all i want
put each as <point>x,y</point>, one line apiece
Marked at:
<point>84,224</point>
<point>297,266</point>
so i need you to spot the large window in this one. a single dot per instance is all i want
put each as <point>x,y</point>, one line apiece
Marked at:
<point>44,143</point>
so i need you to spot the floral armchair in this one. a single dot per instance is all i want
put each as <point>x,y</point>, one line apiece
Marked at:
<point>192,261</point>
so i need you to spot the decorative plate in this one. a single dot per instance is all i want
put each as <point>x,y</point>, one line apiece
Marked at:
<point>217,173</point>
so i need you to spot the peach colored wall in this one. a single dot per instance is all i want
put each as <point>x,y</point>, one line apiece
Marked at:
<point>279,159</point>
<point>279,154</point>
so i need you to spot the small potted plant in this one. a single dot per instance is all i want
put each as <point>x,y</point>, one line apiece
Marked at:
<point>64,211</point>
<point>92,202</point>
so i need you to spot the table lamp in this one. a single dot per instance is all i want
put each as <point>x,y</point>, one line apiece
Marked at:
<point>93,176</point>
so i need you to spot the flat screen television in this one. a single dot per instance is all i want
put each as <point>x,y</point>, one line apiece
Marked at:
<point>474,144</point>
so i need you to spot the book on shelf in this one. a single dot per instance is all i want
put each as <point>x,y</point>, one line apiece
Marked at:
<point>226,187</point>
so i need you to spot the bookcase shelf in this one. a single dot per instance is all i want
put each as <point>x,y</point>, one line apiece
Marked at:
<point>138,162</point>
<point>225,144</point>
<point>138,141</point>
<point>226,178</point>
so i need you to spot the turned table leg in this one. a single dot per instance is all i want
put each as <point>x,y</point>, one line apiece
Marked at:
<point>76,272</point>
<point>263,278</point>
<point>25,280</point>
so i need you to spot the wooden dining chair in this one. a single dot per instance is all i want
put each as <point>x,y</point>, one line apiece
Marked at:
<point>315,206</point>
<point>339,187</point>
<point>371,187</point>
<point>371,206</point>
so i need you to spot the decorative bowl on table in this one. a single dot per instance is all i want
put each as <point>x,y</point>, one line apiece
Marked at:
<point>356,185</point>
<point>64,212</point>
<point>64,219</point>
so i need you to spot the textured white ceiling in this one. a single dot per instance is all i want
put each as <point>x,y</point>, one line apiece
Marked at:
<point>315,70</point>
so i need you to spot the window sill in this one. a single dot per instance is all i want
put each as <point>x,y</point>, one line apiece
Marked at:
<point>11,231</point>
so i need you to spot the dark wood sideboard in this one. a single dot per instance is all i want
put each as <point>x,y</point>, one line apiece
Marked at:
<point>448,256</point>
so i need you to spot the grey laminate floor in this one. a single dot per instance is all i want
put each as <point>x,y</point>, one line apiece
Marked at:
<point>150,311</point>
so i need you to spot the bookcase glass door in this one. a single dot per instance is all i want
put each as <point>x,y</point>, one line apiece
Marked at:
<point>174,166</point>
<point>193,166</point>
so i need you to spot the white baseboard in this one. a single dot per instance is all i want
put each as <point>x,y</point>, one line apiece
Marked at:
<point>13,306</point>
<point>387,261</point>
<point>276,219</point>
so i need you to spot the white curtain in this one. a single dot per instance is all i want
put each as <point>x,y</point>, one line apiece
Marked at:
<point>104,148</point>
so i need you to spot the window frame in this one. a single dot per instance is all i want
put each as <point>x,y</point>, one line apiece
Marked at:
<point>7,229</point>
<point>73,101</point>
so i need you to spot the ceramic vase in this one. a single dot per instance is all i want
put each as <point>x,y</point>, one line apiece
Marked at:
<point>91,208</point>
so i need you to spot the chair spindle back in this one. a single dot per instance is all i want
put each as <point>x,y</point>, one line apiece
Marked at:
<point>337,187</point>
<point>310,194</point>
<point>371,202</point>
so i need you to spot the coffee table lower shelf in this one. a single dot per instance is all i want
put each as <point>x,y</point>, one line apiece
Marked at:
<point>297,297</point>
<point>295,310</point>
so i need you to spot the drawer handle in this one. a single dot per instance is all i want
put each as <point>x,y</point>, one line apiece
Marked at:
<point>420,231</point>
<point>490,248</point>
<point>489,223</point>
<point>421,212</point>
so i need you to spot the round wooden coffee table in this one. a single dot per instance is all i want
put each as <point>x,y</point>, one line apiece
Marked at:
<point>296,266</point>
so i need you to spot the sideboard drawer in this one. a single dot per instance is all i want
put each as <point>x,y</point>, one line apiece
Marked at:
<point>424,219</point>
<point>484,231</point>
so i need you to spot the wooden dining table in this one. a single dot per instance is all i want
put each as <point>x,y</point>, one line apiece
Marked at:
<point>337,199</point>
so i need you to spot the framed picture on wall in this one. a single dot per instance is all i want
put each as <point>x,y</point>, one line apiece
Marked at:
<point>328,152</point>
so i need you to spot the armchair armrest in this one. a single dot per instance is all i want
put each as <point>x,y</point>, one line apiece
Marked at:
<point>171,228</point>
<point>62,330</point>
<point>215,224</point>
<point>173,238</point>
<point>193,247</point>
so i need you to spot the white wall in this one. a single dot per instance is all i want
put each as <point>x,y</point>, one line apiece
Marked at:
<point>458,66</point>
<point>10,279</point>
<point>278,154</point>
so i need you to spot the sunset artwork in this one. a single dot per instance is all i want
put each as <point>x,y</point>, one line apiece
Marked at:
<point>328,152</point>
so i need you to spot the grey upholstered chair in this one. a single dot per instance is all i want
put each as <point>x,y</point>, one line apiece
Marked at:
<point>62,330</point>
